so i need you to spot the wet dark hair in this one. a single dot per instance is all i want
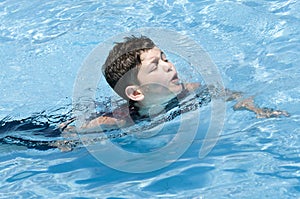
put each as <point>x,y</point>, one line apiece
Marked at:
<point>125,57</point>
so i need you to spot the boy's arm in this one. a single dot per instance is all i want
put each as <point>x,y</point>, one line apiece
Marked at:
<point>96,125</point>
<point>248,104</point>
<point>104,123</point>
<point>99,123</point>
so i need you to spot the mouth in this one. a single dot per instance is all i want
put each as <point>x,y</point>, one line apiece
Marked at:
<point>175,79</point>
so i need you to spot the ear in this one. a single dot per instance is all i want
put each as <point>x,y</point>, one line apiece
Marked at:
<point>134,93</point>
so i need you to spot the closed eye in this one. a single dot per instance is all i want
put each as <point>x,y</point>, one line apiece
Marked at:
<point>153,66</point>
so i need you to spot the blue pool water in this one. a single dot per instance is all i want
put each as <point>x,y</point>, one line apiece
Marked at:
<point>255,45</point>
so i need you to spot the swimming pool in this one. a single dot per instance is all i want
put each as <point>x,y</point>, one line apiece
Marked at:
<point>255,45</point>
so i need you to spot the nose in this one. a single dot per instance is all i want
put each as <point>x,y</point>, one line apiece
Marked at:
<point>167,66</point>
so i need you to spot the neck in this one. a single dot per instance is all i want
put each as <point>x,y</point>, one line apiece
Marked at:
<point>149,110</point>
<point>152,109</point>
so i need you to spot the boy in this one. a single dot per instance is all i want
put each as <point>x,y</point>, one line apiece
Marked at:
<point>140,73</point>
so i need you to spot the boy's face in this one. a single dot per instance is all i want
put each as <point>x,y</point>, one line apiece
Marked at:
<point>158,77</point>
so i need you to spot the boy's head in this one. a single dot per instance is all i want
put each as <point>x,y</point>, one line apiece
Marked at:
<point>138,70</point>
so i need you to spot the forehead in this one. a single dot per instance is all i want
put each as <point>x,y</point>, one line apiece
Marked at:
<point>149,54</point>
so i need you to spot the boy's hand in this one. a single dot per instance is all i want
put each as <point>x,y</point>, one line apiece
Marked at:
<point>267,112</point>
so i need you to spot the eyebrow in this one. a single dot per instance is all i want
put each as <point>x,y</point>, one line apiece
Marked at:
<point>154,59</point>
<point>161,54</point>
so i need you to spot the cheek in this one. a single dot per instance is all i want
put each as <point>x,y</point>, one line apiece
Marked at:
<point>152,79</point>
